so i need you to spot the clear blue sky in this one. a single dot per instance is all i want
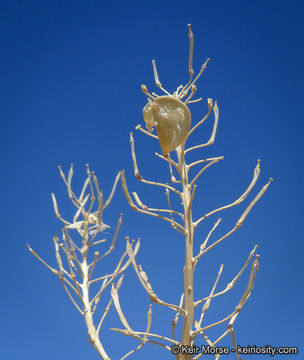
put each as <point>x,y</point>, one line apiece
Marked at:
<point>70,93</point>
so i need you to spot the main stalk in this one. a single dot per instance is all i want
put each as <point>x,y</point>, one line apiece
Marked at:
<point>87,306</point>
<point>189,265</point>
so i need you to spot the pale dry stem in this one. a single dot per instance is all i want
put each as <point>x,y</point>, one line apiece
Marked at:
<point>213,134</point>
<point>207,303</point>
<point>138,127</point>
<point>232,317</point>
<point>230,285</point>
<point>149,322</point>
<point>143,336</point>
<point>144,207</point>
<point>140,178</point>
<point>216,160</point>
<point>256,175</point>
<point>176,317</point>
<point>143,278</point>
<point>204,244</point>
<point>173,223</point>
<point>210,106</point>
<point>239,223</point>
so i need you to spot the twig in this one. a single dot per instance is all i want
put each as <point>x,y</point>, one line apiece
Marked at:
<point>186,89</point>
<point>156,78</point>
<point>210,105</point>
<point>170,161</point>
<point>239,223</point>
<point>136,336</point>
<point>134,207</point>
<point>256,174</point>
<point>140,178</point>
<point>212,137</point>
<point>216,160</point>
<point>149,321</point>
<point>207,304</point>
<point>204,244</point>
<point>138,127</point>
<point>109,305</point>
<point>112,192</point>
<point>145,91</point>
<point>146,284</point>
<point>144,207</point>
<point>232,283</point>
<point>176,317</point>
<point>190,61</point>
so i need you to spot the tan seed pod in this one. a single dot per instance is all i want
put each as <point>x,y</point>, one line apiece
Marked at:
<point>172,120</point>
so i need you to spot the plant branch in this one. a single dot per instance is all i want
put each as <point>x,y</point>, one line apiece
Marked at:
<point>210,105</point>
<point>138,127</point>
<point>142,276</point>
<point>216,160</point>
<point>256,175</point>
<point>212,137</point>
<point>140,178</point>
<point>239,223</point>
<point>134,207</point>
<point>233,282</point>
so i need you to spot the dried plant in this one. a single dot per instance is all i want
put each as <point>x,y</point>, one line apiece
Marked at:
<point>171,117</point>
<point>75,271</point>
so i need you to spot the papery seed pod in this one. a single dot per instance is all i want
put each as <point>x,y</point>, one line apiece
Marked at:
<point>172,120</point>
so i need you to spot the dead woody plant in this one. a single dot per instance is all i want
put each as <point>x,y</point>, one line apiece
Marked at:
<point>171,116</point>
<point>77,255</point>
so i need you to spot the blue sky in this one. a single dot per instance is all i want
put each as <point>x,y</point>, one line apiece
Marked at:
<point>70,93</point>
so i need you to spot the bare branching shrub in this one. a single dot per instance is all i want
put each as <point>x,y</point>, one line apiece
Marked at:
<point>76,271</point>
<point>171,116</point>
